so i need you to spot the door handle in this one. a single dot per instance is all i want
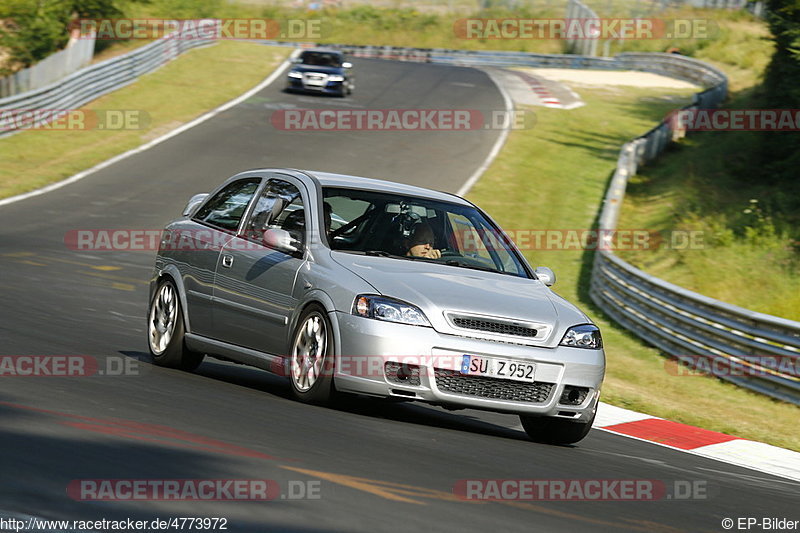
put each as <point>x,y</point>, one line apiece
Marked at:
<point>227,261</point>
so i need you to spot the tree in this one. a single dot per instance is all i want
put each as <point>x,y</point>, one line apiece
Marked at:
<point>780,152</point>
<point>31,30</point>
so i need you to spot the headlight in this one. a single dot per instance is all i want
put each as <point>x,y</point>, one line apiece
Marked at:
<point>335,78</point>
<point>295,74</point>
<point>389,310</point>
<point>585,336</point>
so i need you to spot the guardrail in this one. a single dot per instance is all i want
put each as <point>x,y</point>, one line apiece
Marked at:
<point>92,82</point>
<point>672,65</point>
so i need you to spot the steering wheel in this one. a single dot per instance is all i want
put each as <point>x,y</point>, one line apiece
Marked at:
<point>447,252</point>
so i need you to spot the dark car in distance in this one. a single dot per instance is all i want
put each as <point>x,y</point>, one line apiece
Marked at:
<point>321,71</point>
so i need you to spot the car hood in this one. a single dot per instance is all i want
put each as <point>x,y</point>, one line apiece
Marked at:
<point>312,68</point>
<point>439,288</point>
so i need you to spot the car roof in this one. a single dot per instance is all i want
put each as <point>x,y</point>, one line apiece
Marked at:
<point>323,51</point>
<point>328,179</point>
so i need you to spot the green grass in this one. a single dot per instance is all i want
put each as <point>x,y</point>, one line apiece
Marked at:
<point>369,25</point>
<point>746,257</point>
<point>366,24</point>
<point>555,176</point>
<point>32,159</point>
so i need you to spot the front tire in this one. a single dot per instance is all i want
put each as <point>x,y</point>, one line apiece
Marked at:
<point>166,330</point>
<point>312,359</point>
<point>549,430</point>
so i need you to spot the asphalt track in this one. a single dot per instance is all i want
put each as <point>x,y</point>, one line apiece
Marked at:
<point>380,466</point>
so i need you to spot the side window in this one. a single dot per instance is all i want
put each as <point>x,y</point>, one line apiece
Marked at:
<point>226,208</point>
<point>280,206</point>
<point>340,212</point>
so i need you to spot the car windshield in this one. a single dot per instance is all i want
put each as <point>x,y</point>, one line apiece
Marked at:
<point>418,229</point>
<point>321,59</point>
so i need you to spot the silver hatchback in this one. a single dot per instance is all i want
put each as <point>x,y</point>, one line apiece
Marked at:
<point>355,285</point>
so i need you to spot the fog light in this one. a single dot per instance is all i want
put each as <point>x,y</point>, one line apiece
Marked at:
<point>573,395</point>
<point>401,373</point>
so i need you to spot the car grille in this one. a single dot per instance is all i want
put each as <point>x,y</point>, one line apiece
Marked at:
<point>494,326</point>
<point>455,382</point>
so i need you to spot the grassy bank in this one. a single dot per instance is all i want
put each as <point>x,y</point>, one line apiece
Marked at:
<point>366,24</point>
<point>369,25</point>
<point>554,177</point>
<point>748,255</point>
<point>32,159</point>
<point>715,183</point>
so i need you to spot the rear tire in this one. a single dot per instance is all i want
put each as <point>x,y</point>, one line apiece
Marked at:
<point>549,430</point>
<point>166,330</point>
<point>312,358</point>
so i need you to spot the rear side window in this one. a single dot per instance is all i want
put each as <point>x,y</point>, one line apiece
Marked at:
<point>226,208</point>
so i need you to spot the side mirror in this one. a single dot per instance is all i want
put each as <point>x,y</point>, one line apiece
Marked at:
<point>281,240</point>
<point>545,275</point>
<point>194,203</point>
<point>295,60</point>
<point>347,64</point>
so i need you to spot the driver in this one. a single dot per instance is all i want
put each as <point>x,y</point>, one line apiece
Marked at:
<point>421,243</point>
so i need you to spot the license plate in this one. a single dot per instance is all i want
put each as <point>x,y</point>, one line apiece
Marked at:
<point>473,365</point>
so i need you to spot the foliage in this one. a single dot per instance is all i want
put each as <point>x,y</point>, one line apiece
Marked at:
<point>780,153</point>
<point>34,29</point>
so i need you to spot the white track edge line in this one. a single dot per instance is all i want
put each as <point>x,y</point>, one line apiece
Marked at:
<point>501,140</point>
<point>180,129</point>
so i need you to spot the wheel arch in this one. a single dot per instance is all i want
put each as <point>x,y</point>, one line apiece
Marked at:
<point>171,273</point>
<point>322,299</point>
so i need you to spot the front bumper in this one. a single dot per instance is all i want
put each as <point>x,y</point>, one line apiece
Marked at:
<point>367,344</point>
<point>330,87</point>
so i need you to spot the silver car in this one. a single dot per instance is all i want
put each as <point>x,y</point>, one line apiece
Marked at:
<point>355,285</point>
